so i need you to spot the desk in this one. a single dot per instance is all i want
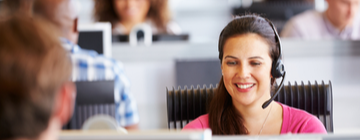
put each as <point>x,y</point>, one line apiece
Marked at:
<point>136,135</point>
<point>192,135</point>
<point>292,137</point>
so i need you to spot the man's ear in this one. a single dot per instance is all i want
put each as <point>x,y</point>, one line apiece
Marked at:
<point>75,28</point>
<point>73,35</point>
<point>65,102</point>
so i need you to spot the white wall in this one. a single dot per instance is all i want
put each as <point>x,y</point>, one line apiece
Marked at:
<point>148,83</point>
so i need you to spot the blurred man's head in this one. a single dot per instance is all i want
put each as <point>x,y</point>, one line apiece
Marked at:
<point>342,12</point>
<point>63,13</point>
<point>36,96</point>
<point>9,7</point>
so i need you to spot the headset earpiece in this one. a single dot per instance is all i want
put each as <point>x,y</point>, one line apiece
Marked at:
<point>277,69</point>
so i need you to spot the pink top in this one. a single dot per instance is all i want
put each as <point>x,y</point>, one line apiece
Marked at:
<point>294,121</point>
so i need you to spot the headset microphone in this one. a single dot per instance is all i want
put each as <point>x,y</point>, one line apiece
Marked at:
<point>267,103</point>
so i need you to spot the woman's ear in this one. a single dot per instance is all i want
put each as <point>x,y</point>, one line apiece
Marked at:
<point>222,72</point>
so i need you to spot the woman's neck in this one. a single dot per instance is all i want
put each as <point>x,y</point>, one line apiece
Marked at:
<point>254,111</point>
<point>128,25</point>
<point>255,117</point>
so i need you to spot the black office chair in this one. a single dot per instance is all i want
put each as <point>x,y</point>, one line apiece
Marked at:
<point>185,105</point>
<point>92,98</point>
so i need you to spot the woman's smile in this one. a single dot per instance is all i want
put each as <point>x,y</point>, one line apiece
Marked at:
<point>244,87</point>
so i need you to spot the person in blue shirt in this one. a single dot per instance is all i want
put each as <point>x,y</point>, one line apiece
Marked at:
<point>87,64</point>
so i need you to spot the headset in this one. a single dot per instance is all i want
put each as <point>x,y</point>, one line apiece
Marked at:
<point>277,67</point>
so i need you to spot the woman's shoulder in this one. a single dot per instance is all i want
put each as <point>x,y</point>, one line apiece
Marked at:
<point>299,121</point>
<point>294,111</point>
<point>201,122</point>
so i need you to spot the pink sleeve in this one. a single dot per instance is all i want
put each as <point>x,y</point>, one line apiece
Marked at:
<point>201,122</point>
<point>195,124</point>
<point>313,125</point>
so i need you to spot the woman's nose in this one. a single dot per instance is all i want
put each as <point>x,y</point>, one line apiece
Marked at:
<point>243,72</point>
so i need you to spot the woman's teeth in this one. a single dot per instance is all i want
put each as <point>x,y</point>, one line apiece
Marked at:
<point>244,86</point>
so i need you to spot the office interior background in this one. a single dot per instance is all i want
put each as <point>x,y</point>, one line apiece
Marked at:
<point>153,69</point>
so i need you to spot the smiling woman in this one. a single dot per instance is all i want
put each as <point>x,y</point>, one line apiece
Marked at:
<point>246,69</point>
<point>249,51</point>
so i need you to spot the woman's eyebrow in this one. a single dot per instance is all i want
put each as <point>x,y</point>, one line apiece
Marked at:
<point>253,57</point>
<point>229,56</point>
<point>256,57</point>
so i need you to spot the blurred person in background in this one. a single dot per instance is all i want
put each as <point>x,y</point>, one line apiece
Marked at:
<point>126,14</point>
<point>36,92</point>
<point>341,20</point>
<point>87,64</point>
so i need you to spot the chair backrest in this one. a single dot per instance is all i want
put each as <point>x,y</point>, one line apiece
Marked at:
<point>185,105</point>
<point>92,98</point>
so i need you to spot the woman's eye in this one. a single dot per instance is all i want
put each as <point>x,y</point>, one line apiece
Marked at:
<point>255,63</point>
<point>231,63</point>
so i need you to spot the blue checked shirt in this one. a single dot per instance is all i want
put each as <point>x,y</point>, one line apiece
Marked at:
<point>88,65</point>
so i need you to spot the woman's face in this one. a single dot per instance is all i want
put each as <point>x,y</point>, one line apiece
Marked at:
<point>132,10</point>
<point>246,68</point>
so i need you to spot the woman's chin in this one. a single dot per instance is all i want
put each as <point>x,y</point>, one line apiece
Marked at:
<point>245,101</point>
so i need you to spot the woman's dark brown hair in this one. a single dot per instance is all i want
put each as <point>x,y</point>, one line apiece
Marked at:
<point>158,13</point>
<point>224,119</point>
